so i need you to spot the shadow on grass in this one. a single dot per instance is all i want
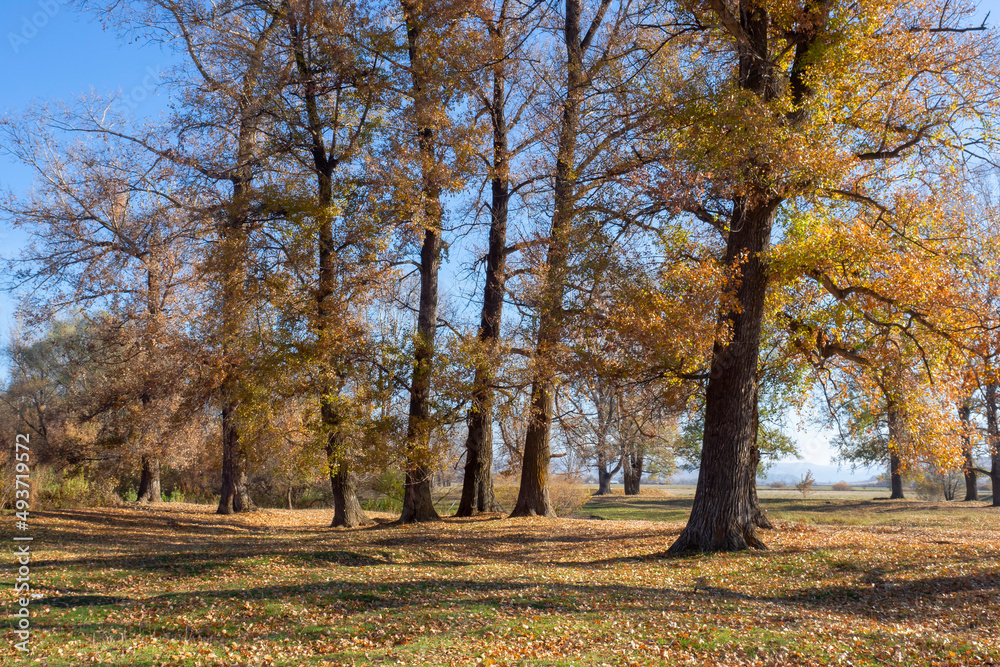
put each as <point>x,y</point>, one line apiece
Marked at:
<point>72,601</point>
<point>873,594</point>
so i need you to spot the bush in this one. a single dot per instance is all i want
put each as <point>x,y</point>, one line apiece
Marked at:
<point>568,496</point>
<point>777,485</point>
<point>383,492</point>
<point>806,483</point>
<point>841,486</point>
<point>928,488</point>
<point>59,489</point>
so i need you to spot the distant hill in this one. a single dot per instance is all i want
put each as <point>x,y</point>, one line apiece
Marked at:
<point>791,472</point>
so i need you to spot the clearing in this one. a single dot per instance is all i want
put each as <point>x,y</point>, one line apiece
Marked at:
<point>846,582</point>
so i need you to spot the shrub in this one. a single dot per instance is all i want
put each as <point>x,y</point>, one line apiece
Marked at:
<point>59,489</point>
<point>806,483</point>
<point>841,486</point>
<point>928,488</point>
<point>568,496</point>
<point>777,485</point>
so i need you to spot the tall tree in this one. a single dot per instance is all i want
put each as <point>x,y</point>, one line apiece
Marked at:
<point>337,89</point>
<point>766,147</point>
<point>112,232</point>
<point>232,66</point>
<point>435,42</point>
<point>592,47</point>
<point>501,82</point>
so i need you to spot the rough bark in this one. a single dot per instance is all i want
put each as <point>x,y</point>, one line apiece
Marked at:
<point>533,493</point>
<point>969,467</point>
<point>347,510</point>
<point>149,481</point>
<point>477,484</point>
<point>895,474</point>
<point>417,504</point>
<point>633,474</point>
<point>993,438</point>
<point>234,495</point>
<point>726,512</point>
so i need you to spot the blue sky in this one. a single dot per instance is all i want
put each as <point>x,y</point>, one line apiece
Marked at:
<point>49,51</point>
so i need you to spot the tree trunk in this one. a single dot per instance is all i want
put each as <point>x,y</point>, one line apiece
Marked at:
<point>993,438</point>
<point>605,415</point>
<point>347,510</point>
<point>633,474</point>
<point>726,512</point>
<point>418,506</point>
<point>533,494</point>
<point>234,496</point>
<point>149,481</point>
<point>603,479</point>
<point>149,478</point>
<point>969,467</point>
<point>233,271</point>
<point>477,484</point>
<point>896,476</point>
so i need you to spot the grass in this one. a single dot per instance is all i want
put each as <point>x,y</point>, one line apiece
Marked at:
<point>845,582</point>
<point>845,508</point>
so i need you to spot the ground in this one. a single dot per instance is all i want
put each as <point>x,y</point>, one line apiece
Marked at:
<point>847,581</point>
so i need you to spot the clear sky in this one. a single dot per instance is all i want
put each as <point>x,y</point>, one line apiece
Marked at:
<point>50,51</point>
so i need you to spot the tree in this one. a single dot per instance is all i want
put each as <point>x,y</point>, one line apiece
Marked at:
<point>113,233</point>
<point>435,40</point>
<point>592,52</point>
<point>332,113</point>
<point>805,484</point>
<point>766,151</point>
<point>231,66</point>
<point>497,86</point>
